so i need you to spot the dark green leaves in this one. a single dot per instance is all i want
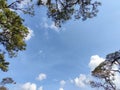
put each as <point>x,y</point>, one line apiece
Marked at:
<point>3,63</point>
<point>12,35</point>
<point>61,11</point>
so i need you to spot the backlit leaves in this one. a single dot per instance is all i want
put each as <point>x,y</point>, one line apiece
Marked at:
<point>61,11</point>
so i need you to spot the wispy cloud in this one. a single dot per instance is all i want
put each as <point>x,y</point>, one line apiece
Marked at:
<point>41,76</point>
<point>30,35</point>
<point>24,3</point>
<point>51,25</point>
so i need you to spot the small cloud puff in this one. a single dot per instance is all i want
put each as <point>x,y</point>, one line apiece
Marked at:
<point>61,89</point>
<point>41,76</point>
<point>40,88</point>
<point>51,26</point>
<point>30,34</point>
<point>62,83</point>
<point>29,86</point>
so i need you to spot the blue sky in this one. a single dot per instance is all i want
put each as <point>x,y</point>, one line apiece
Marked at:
<point>61,59</point>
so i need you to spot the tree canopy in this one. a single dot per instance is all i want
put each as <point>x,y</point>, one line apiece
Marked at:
<point>12,34</point>
<point>5,81</point>
<point>107,72</point>
<point>12,28</point>
<point>61,11</point>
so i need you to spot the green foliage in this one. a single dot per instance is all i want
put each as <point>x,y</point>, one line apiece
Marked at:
<point>3,63</point>
<point>61,11</point>
<point>12,34</point>
<point>107,71</point>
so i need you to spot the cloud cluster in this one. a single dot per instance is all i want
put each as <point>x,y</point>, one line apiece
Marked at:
<point>81,81</point>
<point>32,86</point>
<point>29,86</point>
<point>41,76</point>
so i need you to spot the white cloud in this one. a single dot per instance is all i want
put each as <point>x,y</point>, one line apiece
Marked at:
<point>31,34</point>
<point>95,60</point>
<point>29,86</point>
<point>62,83</point>
<point>41,76</point>
<point>44,2</point>
<point>117,75</point>
<point>24,3</point>
<point>117,80</point>
<point>81,81</point>
<point>51,26</point>
<point>61,89</point>
<point>40,88</point>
